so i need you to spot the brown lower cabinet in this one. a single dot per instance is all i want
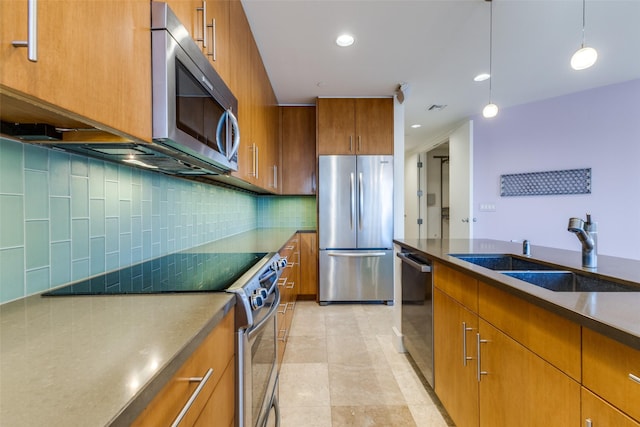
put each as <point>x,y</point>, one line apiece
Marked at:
<point>215,404</point>
<point>289,287</point>
<point>487,377</point>
<point>308,266</point>
<point>501,361</point>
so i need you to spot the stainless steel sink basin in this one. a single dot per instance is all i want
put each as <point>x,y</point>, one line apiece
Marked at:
<point>567,281</point>
<point>503,262</point>
<point>543,275</point>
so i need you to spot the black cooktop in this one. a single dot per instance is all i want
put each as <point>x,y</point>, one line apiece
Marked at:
<point>180,272</point>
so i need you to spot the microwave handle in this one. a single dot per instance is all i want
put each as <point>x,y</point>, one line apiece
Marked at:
<point>219,129</point>
<point>236,135</point>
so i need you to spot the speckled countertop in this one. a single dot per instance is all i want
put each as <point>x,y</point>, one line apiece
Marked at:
<point>93,360</point>
<point>615,314</point>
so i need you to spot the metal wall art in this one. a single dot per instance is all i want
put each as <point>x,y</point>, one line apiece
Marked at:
<point>571,181</point>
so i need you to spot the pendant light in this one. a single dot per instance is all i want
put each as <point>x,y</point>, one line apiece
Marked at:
<point>490,110</point>
<point>584,57</point>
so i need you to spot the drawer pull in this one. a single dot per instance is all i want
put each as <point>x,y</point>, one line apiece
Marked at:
<point>285,308</point>
<point>194,395</point>
<point>480,372</point>
<point>587,422</point>
<point>634,378</point>
<point>465,358</point>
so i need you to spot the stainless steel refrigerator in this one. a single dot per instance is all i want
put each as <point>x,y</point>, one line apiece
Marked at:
<point>355,226</point>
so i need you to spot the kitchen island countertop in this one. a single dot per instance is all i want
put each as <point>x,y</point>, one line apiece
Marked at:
<point>86,360</point>
<point>614,314</point>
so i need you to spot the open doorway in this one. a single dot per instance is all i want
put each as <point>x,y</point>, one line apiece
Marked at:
<point>438,192</point>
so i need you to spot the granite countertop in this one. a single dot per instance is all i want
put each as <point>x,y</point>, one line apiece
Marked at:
<point>97,360</point>
<point>614,314</point>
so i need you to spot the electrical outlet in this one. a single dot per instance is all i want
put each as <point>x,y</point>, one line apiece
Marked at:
<point>487,207</point>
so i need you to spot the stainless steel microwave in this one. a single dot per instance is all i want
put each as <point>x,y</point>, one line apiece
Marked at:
<point>193,109</point>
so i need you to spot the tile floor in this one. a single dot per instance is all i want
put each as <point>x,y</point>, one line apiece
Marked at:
<point>340,368</point>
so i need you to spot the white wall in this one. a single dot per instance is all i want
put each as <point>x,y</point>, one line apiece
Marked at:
<point>597,129</point>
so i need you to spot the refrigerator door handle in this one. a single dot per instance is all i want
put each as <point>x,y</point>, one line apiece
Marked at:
<point>356,254</point>
<point>353,199</point>
<point>360,200</point>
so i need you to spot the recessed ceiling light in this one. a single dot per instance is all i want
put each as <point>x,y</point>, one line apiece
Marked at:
<point>416,126</point>
<point>482,77</point>
<point>345,40</point>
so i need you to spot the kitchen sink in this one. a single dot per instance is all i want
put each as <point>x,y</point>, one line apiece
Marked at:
<point>543,275</point>
<point>567,281</point>
<point>503,262</point>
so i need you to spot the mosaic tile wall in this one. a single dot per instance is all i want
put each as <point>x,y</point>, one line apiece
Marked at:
<point>65,217</point>
<point>287,211</point>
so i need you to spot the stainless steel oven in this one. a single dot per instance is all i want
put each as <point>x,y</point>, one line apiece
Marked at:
<point>259,371</point>
<point>258,348</point>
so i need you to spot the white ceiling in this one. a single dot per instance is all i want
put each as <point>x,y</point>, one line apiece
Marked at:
<point>437,47</point>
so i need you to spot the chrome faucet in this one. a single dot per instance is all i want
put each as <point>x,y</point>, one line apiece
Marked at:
<point>587,233</point>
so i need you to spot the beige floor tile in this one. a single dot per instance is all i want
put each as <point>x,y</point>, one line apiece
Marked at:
<point>306,349</point>
<point>371,416</point>
<point>363,385</point>
<point>427,416</point>
<point>304,384</point>
<point>306,416</point>
<point>354,350</point>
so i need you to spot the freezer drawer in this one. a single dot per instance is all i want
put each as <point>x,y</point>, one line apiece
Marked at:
<point>356,275</point>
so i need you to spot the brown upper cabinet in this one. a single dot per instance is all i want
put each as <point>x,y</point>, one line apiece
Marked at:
<point>298,150</point>
<point>208,23</point>
<point>355,125</point>
<point>93,64</point>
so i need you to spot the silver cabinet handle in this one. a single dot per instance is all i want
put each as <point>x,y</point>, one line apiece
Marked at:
<point>283,310</point>
<point>480,371</point>
<point>293,284</point>
<point>465,358</point>
<point>275,176</point>
<point>257,152</point>
<point>282,281</point>
<point>194,395</point>
<point>351,143</point>
<point>212,53</point>
<point>359,144</point>
<point>284,335</point>
<point>32,32</point>
<point>634,378</point>
<point>587,422</point>
<point>203,9</point>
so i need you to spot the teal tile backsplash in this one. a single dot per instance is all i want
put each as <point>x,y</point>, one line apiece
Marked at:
<point>65,217</point>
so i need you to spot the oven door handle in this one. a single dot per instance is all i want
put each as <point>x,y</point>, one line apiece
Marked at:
<point>272,311</point>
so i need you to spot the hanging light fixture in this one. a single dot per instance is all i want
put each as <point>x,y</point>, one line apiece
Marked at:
<point>490,110</point>
<point>584,57</point>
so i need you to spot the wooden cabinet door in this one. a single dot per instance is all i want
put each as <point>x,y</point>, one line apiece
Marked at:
<point>456,382</point>
<point>94,61</point>
<point>217,49</point>
<point>190,13</point>
<point>601,414</point>
<point>612,370</point>
<point>308,265</point>
<point>239,83</point>
<point>336,125</point>
<point>374,125</point>
<point>298,150</point>
<point>521,389</point>
<point>217,353</point>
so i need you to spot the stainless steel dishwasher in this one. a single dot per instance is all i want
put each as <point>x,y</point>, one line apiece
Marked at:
<point>417,311</point>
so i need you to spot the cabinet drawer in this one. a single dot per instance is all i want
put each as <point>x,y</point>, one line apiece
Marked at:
<point>611,370</point>
<point>554,338</point>
<point>220,409</point>
<point>601,414</point>
<point>215,352</point>
<point>459,286</point>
